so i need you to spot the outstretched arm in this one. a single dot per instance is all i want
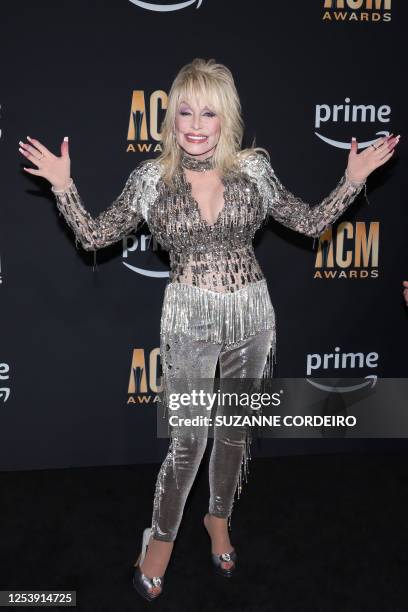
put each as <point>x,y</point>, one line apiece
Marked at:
<point>292,212</point>
<point>120,218</point>
<point>296,214</point>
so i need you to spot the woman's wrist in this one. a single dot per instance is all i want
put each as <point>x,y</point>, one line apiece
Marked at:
<point>62,188</point>
<point>354,180</point>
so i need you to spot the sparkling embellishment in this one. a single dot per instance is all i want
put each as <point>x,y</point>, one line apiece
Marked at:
<point>156,581</point>
<point>226,557</point>
<point>193,163</point>
<point>215,278</point>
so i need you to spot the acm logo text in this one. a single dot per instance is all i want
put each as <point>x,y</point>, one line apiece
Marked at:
<point>146,114</point>
<point>144,378</point>
<point>357,10</point>
<point>350,251</point>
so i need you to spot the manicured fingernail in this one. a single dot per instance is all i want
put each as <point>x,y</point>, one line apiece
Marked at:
<point>66,138</point>
<point>29,138</point>
<point>353,138</point>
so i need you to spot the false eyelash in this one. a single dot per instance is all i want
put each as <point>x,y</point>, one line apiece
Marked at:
<point>207,113</point>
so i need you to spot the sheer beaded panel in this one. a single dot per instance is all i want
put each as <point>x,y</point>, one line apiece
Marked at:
<point>217,291</point>
<point>217,256</point>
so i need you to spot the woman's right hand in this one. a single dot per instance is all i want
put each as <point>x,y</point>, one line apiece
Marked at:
<point>55,169</point>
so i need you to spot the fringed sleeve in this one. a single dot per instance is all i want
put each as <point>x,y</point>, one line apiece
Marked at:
<point>121,217</point>
<point>291,211</point>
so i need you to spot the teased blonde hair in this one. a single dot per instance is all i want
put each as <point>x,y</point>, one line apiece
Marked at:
<point>212,84</point>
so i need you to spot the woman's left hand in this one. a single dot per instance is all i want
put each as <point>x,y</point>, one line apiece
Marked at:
<point>360,165</point>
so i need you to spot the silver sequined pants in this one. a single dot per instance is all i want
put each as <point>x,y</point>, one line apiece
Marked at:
<point>190,359</point>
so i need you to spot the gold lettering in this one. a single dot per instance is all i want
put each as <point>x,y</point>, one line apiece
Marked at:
<point>343,228</point>
<point>325,239</point>
<point>137,129</point>
<point>366,247</point>
<point>378,4</point>
<point>357,4</point>
<point>138,369</point>
<point>154,358</point>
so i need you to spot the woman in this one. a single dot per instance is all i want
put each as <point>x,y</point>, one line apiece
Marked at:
<point>203,199</point>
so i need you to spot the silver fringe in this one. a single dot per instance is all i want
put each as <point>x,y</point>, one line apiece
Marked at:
<point>218,255</point>
<point>217,317</point>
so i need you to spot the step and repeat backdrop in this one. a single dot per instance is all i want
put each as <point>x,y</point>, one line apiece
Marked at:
<point>79,348</point>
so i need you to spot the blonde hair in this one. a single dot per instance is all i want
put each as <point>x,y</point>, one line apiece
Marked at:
<point>214,85</point>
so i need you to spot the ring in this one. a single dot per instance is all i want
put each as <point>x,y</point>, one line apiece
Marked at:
<point>373,145</point>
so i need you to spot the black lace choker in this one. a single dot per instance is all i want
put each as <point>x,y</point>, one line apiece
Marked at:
<point>200,165</point>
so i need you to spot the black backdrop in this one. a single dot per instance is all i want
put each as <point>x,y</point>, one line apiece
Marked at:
<point>90,70</point>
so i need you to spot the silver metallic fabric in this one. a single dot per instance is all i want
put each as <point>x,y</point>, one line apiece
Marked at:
<point>208,262</point>
<point>189,365</point>
<point>217,294</point>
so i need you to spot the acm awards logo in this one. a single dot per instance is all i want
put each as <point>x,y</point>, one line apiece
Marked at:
<point>350,251</point>
<point>146,114</point>
<point>145,377</point>
<point>357,10</point>
<point>4,375</point>
<point>172,6</point>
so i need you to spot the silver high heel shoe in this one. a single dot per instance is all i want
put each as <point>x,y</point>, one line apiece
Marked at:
<point>218,560</point>
<point>142,583</point>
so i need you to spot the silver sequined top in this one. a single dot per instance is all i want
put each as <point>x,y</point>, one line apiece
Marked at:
<point>219,257</point>
<point>217,291</point>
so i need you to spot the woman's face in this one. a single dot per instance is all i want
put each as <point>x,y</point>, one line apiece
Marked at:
<point>197,128</point>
